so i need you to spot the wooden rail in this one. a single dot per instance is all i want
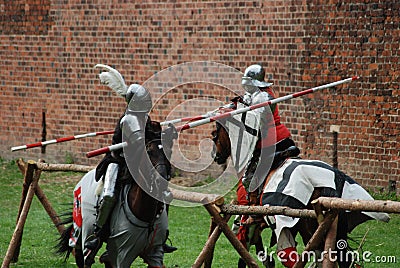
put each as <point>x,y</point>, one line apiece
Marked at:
<point>325,210</point>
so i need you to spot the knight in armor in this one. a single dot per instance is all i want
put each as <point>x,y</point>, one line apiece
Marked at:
<point>273,137</point>
<point>114,169</point>
<point>113,166</point>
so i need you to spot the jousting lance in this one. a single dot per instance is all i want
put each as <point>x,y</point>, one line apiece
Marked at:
<point>197,117</point>
<point>70,138</point>
<point>231,113</point>
<point>262,104</point>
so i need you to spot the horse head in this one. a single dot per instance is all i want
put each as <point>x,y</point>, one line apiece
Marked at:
<point>156,151</point>
<point>158,144</point>
<point>222,144</point>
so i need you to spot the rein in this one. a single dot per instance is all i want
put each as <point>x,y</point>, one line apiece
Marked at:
<point>222,155</point>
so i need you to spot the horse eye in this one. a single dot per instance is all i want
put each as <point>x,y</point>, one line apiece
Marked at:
<point>214,135</point>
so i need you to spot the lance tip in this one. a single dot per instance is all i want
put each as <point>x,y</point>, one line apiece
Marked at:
<point>355,77</point>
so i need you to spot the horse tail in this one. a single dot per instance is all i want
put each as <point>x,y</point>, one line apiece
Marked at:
<point>63,248</point>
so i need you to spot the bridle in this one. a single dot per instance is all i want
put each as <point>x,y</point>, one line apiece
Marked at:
<point>164,161</point>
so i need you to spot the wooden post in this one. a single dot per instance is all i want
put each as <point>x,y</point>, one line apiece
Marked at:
<point>21,165</point>
<point>318,211</point>
<point>330,243</point>
<point>17,235</point>
<point>267,210</point>
<point>317,237</point>
<point>63,167</point>
<point>32,171</point>
<point>206,255</point>
<point>210,246</point>
<point>28,171</point>
<point>244,254</point>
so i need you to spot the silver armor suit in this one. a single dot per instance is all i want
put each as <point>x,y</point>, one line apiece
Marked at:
<point>108,201</point>
<point>265,112</point>
<point>139,100</point>
<point>253,175</point>
<point>133,132</point>
<point>110,180</point>
<point>137,158</point>
<point>254,95</point>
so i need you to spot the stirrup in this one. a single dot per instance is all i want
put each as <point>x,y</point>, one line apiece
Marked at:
<point>105,257</point>
<point>92,245</point>
<point>169,248</point>
<point>93,242</point>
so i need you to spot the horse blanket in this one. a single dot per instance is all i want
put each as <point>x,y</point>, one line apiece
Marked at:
<point>129,236</point>
<point>293,183</point>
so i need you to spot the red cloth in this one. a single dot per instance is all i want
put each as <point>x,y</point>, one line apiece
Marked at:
<point>241,194</point>
<point>276,130</point>
<point>77,212</point>
<point>288,256</point>
<point>242,235</point>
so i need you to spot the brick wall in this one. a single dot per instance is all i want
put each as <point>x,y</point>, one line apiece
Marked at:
<point>48,50</point>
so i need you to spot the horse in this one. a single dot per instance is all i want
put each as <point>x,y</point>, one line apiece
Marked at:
<point>334,183</point>
<point>222,151</point>
<point>138,224</point>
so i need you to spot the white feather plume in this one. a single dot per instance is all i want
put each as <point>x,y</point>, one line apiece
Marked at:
<point>113,79</point>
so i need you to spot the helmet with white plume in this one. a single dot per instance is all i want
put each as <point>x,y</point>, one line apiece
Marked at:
<point>253,78</point>
<point>137,97</point>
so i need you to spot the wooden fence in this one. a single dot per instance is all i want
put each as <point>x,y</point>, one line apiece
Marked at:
<point>325,210</point>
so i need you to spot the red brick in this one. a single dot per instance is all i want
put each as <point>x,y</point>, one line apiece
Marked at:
<point>50,48</point>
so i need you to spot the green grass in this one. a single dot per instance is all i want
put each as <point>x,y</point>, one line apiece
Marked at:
<point>189,227</point>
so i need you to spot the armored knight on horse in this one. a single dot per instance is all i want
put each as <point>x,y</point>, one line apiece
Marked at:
<point>280,178</point>
<point>124,167</point>
<point>263,132</point>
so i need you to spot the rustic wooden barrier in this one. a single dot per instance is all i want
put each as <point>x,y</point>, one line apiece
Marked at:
<point>386,206</point>
<point>30,187</point>
<point>325,210</point>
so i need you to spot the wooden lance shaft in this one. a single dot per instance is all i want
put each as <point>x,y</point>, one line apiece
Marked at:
<point>92,134</point>
<point>232,113</point>
<point>197,117</point>
<point>70,138</point>
<point>262,104</point>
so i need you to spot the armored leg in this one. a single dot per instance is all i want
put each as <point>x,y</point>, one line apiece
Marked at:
<point>106,207</point>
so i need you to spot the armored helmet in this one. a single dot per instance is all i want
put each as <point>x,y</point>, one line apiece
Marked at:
<point>254,75</point>
<point>138,98</point>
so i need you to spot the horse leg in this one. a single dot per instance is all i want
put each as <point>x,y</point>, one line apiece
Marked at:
<point>242,236</point>
<point>105,259</point>
<point>262,254</point>
<point>241,263</point>
<point>344,259</point>
<point>79,258</point>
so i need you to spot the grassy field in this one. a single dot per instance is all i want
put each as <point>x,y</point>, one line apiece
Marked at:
<point>188,228</point>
